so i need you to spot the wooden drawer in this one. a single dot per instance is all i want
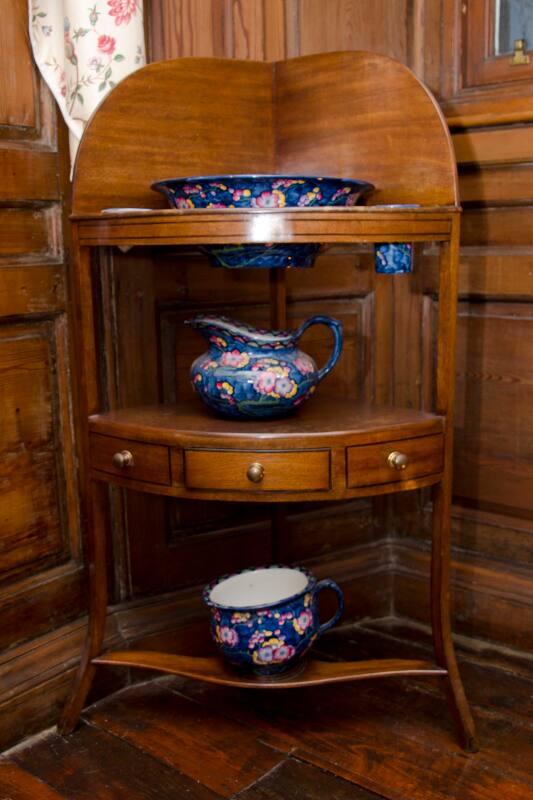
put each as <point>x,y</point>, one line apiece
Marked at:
<point>369,465</point>
<point>294,471</point>
<point>150,461</point>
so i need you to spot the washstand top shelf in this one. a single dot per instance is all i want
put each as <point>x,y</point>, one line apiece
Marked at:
<point>233,226</point>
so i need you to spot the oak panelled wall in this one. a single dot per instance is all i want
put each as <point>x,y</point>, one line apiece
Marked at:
<point>41,575</point>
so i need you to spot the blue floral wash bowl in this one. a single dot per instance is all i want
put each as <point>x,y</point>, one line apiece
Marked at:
<point>264,620</point>
<point>262,192</point>
<point>252,373</point>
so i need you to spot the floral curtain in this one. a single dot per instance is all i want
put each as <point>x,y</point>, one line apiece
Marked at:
<point>83,49</point>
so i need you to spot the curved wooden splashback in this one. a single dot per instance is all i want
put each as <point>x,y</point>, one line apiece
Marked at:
<point>350,114</point>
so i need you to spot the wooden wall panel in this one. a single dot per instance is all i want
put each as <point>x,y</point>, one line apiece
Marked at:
<point>41,572</point>
<point>24,231</point>
<point>494,423</point>
<point>380,26</point>
<point>17,99</point>
<point>31,529</point>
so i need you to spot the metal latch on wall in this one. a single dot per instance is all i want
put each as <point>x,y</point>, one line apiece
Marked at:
<point>519,56</point>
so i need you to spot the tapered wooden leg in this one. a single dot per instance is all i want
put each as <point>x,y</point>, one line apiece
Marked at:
<point>440,615</point>
<point>97,499</point>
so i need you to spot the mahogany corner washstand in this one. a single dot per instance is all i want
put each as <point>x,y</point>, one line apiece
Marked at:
<point>351,114</point>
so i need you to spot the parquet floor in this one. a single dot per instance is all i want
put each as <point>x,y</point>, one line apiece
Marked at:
<point>393,739</point>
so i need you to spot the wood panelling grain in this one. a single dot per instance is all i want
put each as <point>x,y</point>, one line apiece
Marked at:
<point>488,272</point>
<point>497,227</point>
<point>31,524</point>
<point>497,145</point>
<point>43,600</point>
<point>245,26</point>
<point>494,450</point>
<point>489,602</point>
<point>380,27</point>
<point>338,272</point>
<point>274,21</point>
<point>499,185</point>
<point>17,98</point>
<point>24,231</point>
<point>497,537</point>
<point>31,289</point>
<point>188,28</point>
<point>27,175</point>
<point>41,578</point>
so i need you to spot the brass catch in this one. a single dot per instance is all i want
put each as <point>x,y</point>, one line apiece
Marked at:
<point>519,56</point>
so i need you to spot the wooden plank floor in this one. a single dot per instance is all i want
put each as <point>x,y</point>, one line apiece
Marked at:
<point>392,739</point>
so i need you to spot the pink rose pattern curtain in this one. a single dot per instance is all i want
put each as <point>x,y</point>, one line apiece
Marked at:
<point>83,49</point>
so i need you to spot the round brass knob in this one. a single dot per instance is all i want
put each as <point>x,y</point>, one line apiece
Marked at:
<point>255,472</point>
<point>397,460</point>
<point>123,459</point>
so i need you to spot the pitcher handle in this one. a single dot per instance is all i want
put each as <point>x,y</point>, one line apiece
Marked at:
<point>336,328</point>
<point>327,583</point>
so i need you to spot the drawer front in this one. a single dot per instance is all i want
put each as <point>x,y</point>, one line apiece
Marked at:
<point>245,470</point>
<point>369,465</point>
<point>149,462</point>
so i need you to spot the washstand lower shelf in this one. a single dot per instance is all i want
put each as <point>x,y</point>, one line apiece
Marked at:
<point>311,672</point>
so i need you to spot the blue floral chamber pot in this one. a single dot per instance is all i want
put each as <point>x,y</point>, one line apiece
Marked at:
<point>266,619</point>
<point>262,192</point>
<point>249,372</point>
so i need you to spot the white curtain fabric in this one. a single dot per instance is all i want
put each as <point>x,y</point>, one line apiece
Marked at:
<point>83,48</point>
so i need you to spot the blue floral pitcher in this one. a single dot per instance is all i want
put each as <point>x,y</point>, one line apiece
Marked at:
<point>248,372</point>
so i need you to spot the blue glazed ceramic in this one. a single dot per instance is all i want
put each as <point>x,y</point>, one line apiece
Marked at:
<point>393,258</point>
<point>266,619</point>
<point>248,372</point>
<point>265,256</point>
<point>262,192</point>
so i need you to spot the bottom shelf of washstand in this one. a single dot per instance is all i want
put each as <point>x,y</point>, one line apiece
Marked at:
<point>311,672</point>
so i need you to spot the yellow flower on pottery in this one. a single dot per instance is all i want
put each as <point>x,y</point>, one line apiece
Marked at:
<point>303,621</point>
<point>197,378</point>
<point>280,196</point>
<point>265,653</point>
<point>246,192</point>
<point>240,616</point>
<point>228,388</point>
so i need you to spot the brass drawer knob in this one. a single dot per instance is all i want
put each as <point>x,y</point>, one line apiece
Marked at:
<point>123,459</point>
<point>255,472</point>
<point>397,460</point>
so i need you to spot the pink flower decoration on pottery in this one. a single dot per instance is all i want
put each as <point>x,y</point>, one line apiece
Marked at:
<point>234,358</point>
<point>303,622</point>
<point>228,636</point>
<point>274,199</point>
<point>265,382</point>
<point>304,365</point>
<point>285,387</point>
<point>283,653</point>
